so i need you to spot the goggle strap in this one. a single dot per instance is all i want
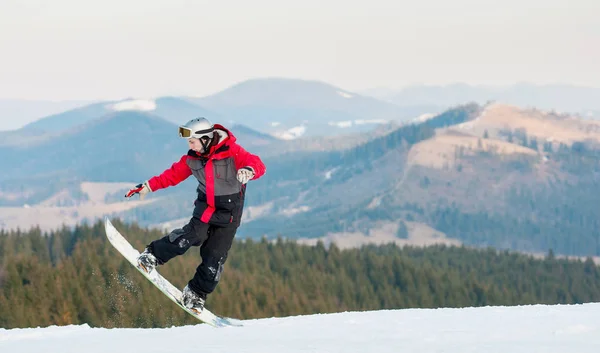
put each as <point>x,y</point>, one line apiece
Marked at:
<point>200,132</point>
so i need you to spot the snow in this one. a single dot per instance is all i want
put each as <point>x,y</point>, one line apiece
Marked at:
<point>469,125</point>
<point>423,117</point>
<point>518,329</point>
<point>350,123</point>
<point>252,213</point>
<point>370,121</point>
<point>292,133</point>
<point>345,94</point>
<point>135,104</point>
<point>294,210</point>
<point>341,124</point>
<point>329,173</point>
<point>97,192</point>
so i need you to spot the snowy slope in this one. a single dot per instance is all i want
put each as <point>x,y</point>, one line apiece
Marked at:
<point>538,328</point>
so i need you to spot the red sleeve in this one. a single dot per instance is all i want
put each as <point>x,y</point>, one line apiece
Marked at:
<point>244,158</point>
<point>178,172</point>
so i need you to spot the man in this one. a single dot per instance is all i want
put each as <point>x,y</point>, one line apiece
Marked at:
<point>222,168</point>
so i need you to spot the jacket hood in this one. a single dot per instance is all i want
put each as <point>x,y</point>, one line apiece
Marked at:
<point>224,133</point>
<point>226,138</point>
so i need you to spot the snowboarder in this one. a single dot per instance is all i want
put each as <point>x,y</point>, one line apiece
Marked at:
<point>222,168</point>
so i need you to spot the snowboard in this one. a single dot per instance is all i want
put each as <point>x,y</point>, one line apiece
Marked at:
<point>131,254</point>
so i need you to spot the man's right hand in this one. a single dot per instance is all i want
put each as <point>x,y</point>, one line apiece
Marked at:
<point>141,189</point>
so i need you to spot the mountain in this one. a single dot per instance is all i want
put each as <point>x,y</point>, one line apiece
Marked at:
<point>71,118</point>
<point>175,110</point>
<point>15,113</point>
<point>290,108</point>
<point>83,172</point>
<point>491,175</point>
<point>49,127</point>
<point>327,185</point>
<point>528,125</point>
<point>562,98</point>
<point>124,145</point>
<point>119,147</point>
<point>285,108</point>
<point>453,173</point>
<point>180,111</point>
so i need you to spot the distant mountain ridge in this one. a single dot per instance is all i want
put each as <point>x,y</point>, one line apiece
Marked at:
<point>172,109</point>
<point>139,140</point>
<point>284,108</point>
<point>279,105</point>
<point>16,113</point>
<point>558,97</point>
<point>481,175</point>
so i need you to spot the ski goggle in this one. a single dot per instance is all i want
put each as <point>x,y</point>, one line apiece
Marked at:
<point>186,132</point>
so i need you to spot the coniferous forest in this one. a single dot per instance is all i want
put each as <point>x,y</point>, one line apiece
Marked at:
<point>74,276</point>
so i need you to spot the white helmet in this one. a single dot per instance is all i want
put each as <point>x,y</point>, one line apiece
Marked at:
<point>198,128</point>
<point>201,129</point>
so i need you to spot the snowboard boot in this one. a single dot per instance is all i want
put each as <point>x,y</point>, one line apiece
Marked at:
<point>147,261</point>
<point>192,300</point>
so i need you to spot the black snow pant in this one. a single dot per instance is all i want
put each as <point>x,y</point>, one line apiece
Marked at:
<point>214,242</point>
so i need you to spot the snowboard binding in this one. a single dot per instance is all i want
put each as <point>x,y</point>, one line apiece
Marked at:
<point>147,261</point>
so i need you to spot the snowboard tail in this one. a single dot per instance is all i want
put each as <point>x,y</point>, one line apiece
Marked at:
<point>131,254</point>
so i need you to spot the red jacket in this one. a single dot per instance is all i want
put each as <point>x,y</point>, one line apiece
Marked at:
<point>220,194</point>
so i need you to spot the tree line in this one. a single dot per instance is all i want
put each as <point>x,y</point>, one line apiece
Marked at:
<point>74,276</point>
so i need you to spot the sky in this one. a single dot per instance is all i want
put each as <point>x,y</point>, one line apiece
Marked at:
<point>519,329</point>
<point>111,49</point>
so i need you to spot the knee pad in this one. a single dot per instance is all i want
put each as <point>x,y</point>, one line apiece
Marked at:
<point>187,236</point>
<point>176,234</point>
<point>179,238</point>
<point>214,266</point>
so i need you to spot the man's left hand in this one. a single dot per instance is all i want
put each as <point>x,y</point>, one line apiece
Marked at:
<point>244,174</point>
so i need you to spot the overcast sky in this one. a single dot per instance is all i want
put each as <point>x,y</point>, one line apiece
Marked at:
<point>109,49</point>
